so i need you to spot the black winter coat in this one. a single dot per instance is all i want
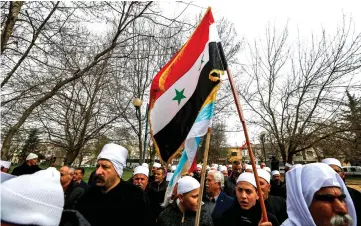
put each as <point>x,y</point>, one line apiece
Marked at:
<point>25,169</point>
<point>172,216</point>
<point>73,218</point>
<point>277,206</point>
<point>124,201</point>
<point>356,198</point>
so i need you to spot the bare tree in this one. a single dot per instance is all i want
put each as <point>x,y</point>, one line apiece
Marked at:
<point>294,89</point>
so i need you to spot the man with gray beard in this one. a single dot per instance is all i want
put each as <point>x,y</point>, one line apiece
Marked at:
<point>317,195</point>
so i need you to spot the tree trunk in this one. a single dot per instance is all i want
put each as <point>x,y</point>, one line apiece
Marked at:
<point>290,157</point>
<point>71,156</point>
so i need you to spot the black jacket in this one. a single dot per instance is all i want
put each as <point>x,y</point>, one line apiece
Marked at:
<point>25,169</point>
<point>172,216</point>
<point>277,206</point>
<point>72,195</point>
<point>277,189</point>
<point>73,218</point>
<point>356,198</point>
<point>156,193</point>
<point>230,186</point>
<point>236,216</point>
<point>124,201</point>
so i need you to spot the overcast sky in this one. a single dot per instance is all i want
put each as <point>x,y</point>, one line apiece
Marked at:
<point>251,18</point>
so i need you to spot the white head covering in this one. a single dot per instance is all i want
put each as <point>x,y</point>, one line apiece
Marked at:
<point>169,176</point>
<point>207,167</point>
<point>199,166</point>
<point>302,183</point>
<point>141,170</point>
<point>247,177</point>
<point>275,172</point>
<point>31,156</point>
<point>157,165</point>
<point>267,169</point>
<point>332,161</point>
<point>116,154</point>
<point>264,174</point>
<point>5,164</point>
<point>223,168</point>
<point>187,184</point>
<point>214,168</point>
<point>258,166</point>
<point>173,168</point>
<point>249,167</point>
<point>33,199</point>
<point>145,165</point>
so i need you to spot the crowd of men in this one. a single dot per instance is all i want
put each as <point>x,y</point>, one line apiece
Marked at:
<point>311,194</point>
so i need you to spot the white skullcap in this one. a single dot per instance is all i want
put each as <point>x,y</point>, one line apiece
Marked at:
<point>332,161</point>
<point>213,168</point>
<point>223,168</point>
<point>302,184</point>
<point>230,166</point>
<point>141,170</point>
<point>249,167</point>
<point>5,164</point>
<point>264,174</point>
<point>247,177</point>
<point>173,168</point>
<point>169,176</point>
<point>187,184</point>
<point>31,156</point>
<point>33,199</point>
<point>199,166</point>
<point>145,165</point>
<point>258,166</point>
<point>288,165</point>
<point>275,172</point>
<point>116,154</point>
<point>157,165</point>
<point>267,169</point>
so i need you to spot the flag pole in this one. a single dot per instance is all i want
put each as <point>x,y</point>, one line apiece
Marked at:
<point>251,155</point>
<point>203,176</point>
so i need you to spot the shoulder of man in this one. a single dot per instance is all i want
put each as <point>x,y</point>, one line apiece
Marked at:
<point>273,219</point>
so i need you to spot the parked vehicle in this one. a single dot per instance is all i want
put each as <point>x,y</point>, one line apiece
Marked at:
<point>353,171</point>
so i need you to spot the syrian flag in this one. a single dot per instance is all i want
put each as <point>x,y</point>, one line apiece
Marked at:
<point>182,98</point>
<point>186,84</point>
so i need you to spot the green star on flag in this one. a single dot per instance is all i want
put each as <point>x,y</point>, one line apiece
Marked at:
<point>179,95</point>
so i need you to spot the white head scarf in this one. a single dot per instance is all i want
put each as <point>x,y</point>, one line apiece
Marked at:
<point>116,154</point>
<point>302,183</point>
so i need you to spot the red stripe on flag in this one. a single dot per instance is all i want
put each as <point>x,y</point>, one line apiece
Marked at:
<point>194,164</point>
<point>183,60</point>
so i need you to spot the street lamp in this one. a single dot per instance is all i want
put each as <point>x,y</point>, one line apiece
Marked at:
<point>137,102</point>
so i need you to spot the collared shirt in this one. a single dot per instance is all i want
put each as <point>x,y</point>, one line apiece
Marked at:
<point>210,203</point>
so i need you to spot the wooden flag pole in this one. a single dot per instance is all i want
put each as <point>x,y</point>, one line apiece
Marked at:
<point>203,177</point>
<point>241,117</point>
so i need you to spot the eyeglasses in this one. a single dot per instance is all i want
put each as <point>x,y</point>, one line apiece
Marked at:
<point>329,198</point>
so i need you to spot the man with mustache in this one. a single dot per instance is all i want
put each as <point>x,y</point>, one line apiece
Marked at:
<point>354,194</point>
<point>230,182</point>
<point>318,196</point>
<point>112,200</point>
<point>246,209</point>
<point>140,177</point>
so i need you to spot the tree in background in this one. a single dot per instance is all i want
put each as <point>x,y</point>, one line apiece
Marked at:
<point>31,143</point>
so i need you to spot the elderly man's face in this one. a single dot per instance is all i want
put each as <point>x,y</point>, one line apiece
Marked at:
<point>140,180</point>
<point>263,165</point>
<point>33,162</point>
<point>225,173</point>
<point>276,177</point>
<point>190,200</point>
<point>246,195</point>
<point>265,187</point>
<point>328,207</point>
<point>66,175</point>
<point>105,175</point>
<point>212,187</point>
<point>199,170</point>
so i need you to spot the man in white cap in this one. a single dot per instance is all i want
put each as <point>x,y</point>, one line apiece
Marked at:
<point>112,199</point>
<point>276,184</point>
<point>140,177</point>
<point>318,196</point>
<point>230,182</point>
<point>246,209</point>
<point>28,167</point>
<point>274,204</point>
<point>198,173</point>
<point>248,168</point>
<point>355,195</point>
<point>5,166</point>
<point>215,201</point>
<point>224,171</point>
<point>183,211</point>
<point>156,165</point>
<point>35,199</point>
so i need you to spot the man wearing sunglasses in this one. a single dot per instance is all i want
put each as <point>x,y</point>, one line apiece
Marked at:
<point>355,195</point>
<point>318,196</point>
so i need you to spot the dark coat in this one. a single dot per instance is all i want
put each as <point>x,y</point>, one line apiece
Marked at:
<point>230,187</point>
<point>277,206</point>
<point>124,201</point>
<point>156,193</point>
<point>172,216</point>
<point>25,169</point>
<point>72,195</point>
<point>223,203</point>
<point>84,185</point>
<point>73,218</point>
<point>236,216</point>
<point>91,181</point>
<point>356,198</point>
<point>277,189</point>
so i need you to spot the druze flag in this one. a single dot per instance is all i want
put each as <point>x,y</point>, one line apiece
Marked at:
<point>183,92</point>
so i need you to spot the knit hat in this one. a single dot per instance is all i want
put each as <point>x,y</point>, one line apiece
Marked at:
<point>35,199</point>
<point>31,156</point>
<point>141,170</point>
<point>247,177</point>
<point>116,154</point>
<point>187,184</point>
